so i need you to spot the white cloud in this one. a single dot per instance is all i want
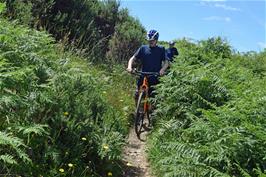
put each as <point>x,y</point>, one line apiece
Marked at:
<point>217,18</point>
<point>226,7</point>
<point>218,4</point>
<point>227,19</point>
<point>262,45</point>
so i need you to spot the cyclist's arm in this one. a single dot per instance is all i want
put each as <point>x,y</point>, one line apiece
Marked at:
<point>130,62</point>
<point>165,66</point>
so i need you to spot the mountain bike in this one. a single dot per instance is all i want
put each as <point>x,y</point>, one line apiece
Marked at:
<point>143,106</point>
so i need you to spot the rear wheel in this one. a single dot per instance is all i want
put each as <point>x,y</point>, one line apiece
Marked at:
<point>148,117</point>
<point>139,116</point>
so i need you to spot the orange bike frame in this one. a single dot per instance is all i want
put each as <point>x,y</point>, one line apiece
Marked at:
<point>145,87</point>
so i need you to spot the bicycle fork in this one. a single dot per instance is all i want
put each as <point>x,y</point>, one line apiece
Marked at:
<point>145,88</point>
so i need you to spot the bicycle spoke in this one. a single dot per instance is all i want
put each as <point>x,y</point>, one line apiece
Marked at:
<point>139,115</point>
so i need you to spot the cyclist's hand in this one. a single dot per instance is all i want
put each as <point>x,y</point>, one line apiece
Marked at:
<point>162,72</point>
<point>130,70</point>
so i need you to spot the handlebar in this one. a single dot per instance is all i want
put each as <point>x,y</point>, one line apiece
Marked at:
<point>141,73</point>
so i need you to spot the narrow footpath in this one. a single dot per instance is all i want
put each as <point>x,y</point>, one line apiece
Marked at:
<point>135,157</point>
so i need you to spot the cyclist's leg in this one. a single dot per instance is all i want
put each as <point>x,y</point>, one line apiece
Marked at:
<point>152,83</point>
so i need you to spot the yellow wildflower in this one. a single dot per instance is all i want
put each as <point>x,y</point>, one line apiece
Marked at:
<point>61,170</point>
<point>83,139</point>
<point>104,92</point>
<point>109,174</point>
<point>129,164</point>
<point>66,113</point>
<point>70,165</point>
<point>106,147</point>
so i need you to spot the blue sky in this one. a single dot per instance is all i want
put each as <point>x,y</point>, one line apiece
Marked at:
<point>242,23</point>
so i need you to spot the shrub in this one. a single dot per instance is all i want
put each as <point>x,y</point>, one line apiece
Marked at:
<point>211,116</point>
<point>53,115</point>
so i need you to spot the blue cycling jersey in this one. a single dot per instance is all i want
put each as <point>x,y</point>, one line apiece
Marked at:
<point>171,52</point>
<point>151,58</point>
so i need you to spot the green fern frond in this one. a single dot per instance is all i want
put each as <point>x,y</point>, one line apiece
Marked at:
<point>189,168</point>
<point>182,150</point>
<point>2,7</point>
<point>7,139</point>
<point>8,159</point>
<point>259,172</point>
<point>242,171</point>
<point>7,102</point>
<point>34,128</point>
<point>22,155</point>
<point>16,144</point>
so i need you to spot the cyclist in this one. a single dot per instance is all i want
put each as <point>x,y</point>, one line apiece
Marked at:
<point>171,51</point>
<point>152,58</point>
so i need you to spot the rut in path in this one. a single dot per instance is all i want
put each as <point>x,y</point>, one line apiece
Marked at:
<point>134,156</point>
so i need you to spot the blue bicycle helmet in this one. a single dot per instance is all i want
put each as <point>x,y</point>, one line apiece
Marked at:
<point>171,42</point>
<point>153,35</point>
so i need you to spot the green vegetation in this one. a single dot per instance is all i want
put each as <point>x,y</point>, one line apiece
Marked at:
<point>211,113</point>
<point>56,109</point>
<point>65,99</point>
<point>99,28</point>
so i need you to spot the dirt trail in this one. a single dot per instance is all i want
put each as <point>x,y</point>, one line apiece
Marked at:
<point>134,156</point>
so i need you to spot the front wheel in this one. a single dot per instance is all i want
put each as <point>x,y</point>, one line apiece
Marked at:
<point>139,116</point>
